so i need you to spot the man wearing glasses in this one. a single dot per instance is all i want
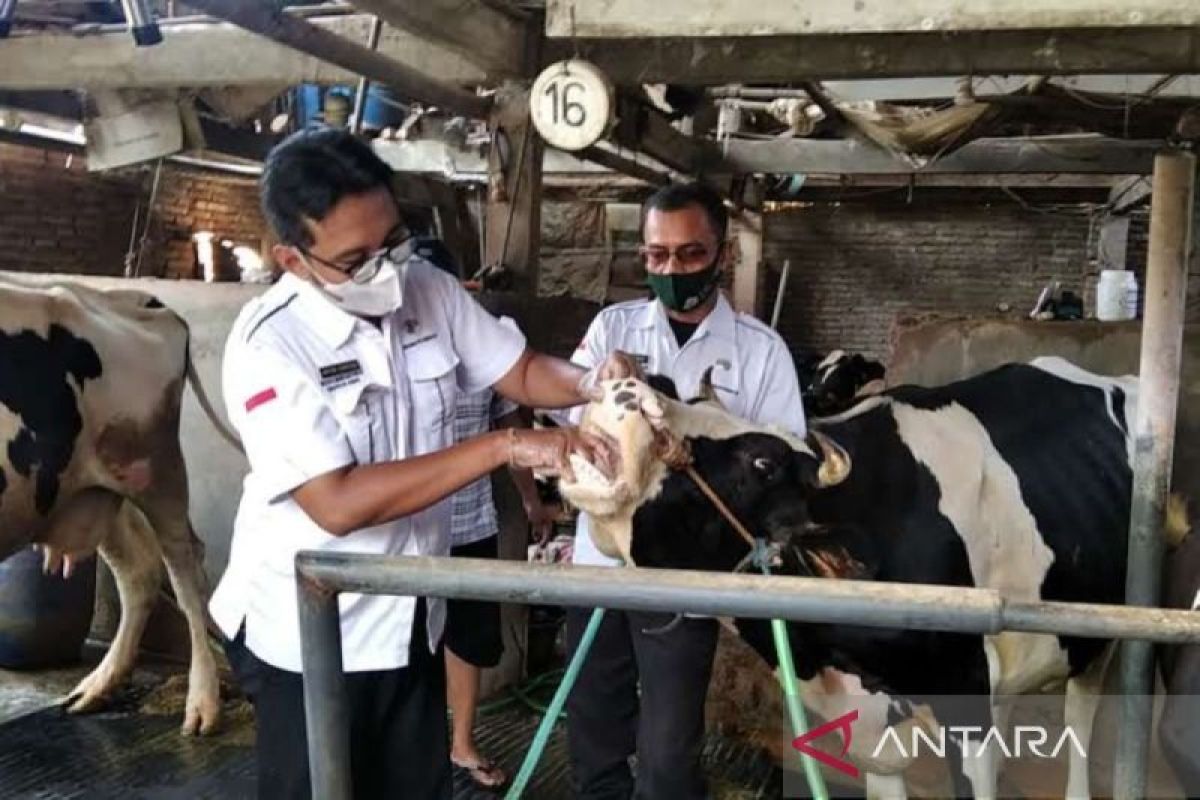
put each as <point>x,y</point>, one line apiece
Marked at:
<point>687,327</point>
<point>342,381</point>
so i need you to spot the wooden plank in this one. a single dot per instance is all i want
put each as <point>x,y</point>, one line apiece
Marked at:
<point>481,34</point>
<point>203,53</point>
<point>1081,155</point>
<point>720,18</point>
<point>784,59</point>
<point>261,17</point>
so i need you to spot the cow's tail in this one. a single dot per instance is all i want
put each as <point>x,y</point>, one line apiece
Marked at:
<point>207,406</point>
<point>1176,526</point>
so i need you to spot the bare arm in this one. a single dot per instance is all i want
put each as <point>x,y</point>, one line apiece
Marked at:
<point>538,380</point>
<point>359,496</point>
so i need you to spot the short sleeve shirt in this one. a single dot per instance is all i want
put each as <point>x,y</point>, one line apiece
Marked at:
<point>473,512</point>
<point>312,389</point>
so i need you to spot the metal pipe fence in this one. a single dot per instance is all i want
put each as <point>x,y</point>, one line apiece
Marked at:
<point>320,577</point>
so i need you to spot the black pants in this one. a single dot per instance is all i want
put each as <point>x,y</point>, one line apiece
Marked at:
<point>398,740</point>
<point>606,723</point>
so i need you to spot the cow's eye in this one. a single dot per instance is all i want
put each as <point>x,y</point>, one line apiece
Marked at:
<point>764,465</point>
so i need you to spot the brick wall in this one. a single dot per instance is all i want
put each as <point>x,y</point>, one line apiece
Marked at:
<point>856,267</point>
<point>191,201</point>
<point>57,217</point>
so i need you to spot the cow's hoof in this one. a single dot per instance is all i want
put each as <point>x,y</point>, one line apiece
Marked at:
<point>202,714</point>
<point>82,701</point>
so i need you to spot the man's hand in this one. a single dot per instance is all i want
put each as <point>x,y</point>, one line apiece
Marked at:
<point>615,366</point>
<point>549,450</point>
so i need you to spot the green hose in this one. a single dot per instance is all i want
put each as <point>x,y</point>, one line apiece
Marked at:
<point>560,698</point>
<point>787,675</point>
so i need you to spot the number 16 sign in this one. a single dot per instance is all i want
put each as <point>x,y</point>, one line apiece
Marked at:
<point>571,104</point>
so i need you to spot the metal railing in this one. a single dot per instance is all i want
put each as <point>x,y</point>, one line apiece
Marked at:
<point>320,577</point>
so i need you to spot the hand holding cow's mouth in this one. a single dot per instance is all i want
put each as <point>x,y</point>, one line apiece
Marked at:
<point>560,451</point>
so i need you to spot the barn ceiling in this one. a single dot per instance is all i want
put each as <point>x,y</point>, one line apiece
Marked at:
<point>788,84</point>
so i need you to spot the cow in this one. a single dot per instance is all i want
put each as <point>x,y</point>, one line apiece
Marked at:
<point>1016,480</point>
<point>91,385</point>
<point>833,383</point>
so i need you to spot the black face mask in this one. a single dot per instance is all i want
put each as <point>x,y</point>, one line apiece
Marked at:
<point>684,292</point>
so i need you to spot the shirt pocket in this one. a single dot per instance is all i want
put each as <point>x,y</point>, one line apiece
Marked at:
<point>431,372</point>
<point>360,413</point>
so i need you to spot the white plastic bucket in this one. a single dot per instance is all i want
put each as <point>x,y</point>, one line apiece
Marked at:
<point>1116,295</point>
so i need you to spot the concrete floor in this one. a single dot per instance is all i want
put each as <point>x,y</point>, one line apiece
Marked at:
<point>132,749</point>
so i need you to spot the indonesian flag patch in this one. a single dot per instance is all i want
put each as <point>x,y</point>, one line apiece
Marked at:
<point>265,396</point>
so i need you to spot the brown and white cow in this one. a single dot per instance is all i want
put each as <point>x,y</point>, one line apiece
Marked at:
<point>90,389</point>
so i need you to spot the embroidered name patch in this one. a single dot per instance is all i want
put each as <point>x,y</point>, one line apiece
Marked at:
<point>335,375</point>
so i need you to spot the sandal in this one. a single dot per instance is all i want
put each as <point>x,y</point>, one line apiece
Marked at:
<point>485,775</point>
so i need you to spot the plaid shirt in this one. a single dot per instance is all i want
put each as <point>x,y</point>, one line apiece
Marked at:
<point>474,513</point>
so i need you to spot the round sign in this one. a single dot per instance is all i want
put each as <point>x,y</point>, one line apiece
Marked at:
<point>571,104</point>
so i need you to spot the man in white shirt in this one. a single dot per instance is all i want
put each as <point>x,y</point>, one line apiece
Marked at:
<point>688,327</point>
<point>342,381</point>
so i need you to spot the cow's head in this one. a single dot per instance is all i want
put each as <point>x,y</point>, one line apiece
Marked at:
<point>653,515</point>
<point>837,381</point>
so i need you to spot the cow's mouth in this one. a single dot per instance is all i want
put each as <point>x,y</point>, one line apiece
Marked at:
<point>588,473</point>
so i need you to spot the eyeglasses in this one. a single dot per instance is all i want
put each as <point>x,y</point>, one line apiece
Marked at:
<point>687,255</point>
<point>363,269</point>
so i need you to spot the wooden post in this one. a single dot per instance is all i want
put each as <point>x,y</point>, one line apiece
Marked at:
<point>745,231</point>
<point>513,220</point>
<point>1154,445</point>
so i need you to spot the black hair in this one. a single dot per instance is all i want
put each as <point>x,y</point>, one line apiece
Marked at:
<point>678,196</point>
<point>307,173</point>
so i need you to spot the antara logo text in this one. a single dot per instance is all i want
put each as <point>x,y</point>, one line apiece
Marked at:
<point>1026,740</point>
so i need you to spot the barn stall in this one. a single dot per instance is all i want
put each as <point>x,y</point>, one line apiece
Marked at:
<point>907,182</point>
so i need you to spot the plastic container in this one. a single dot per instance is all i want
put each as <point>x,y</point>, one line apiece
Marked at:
<point>1116,296</point>
<point>44,619</point>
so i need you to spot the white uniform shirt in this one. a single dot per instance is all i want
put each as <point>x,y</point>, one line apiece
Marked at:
<point>754,375</point>
<point>311,389</point>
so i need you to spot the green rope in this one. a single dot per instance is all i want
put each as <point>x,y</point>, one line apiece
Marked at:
<point>791,692</point>
<point>560,698</point>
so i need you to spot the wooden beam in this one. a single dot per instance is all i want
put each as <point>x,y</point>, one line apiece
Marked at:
<point>746,230</point>
<point>259,16</point>
<point>720,18</point>
<point>646,129</point>
<point>783,59</point>
<point>512,223</point>
<point>626,166</point>
<point>483,35</point>
<point>205,53</point>
<point>1083,155</point>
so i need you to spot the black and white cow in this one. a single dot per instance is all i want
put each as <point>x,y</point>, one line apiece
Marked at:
<point>1016,480</point>
<point>832,383</point>
<point>90,389</point>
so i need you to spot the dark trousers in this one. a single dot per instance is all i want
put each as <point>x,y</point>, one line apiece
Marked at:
<point>398,740</point>
<point>606,723</point>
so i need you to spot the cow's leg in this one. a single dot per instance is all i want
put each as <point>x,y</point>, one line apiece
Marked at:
<point>131,552</point>
<point>183,555</point>
<point>885,787</point>
<point>1079,713</point>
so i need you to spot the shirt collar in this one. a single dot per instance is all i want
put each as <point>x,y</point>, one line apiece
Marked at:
<point>721,322</point>
<point>330,322</point>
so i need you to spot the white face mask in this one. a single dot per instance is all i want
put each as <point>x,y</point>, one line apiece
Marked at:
<point>377,297</point>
